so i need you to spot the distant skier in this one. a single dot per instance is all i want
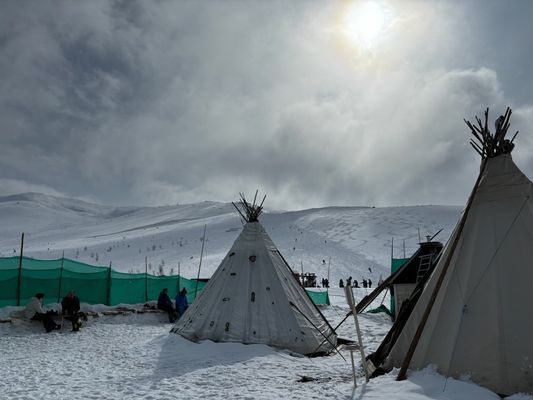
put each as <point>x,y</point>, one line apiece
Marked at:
<point>369,283</point>
<point>365,284</point>
<point>369,269</point>
<point>355,283</point>
<point>341,283</point>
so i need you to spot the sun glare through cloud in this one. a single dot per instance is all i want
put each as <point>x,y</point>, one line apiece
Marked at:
<point>363,30</point>
<point>364,22</point>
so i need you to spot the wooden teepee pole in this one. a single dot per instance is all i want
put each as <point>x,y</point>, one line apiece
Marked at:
<point>414,342</point>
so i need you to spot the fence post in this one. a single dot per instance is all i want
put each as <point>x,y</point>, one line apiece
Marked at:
<point>19,281</point>
<point>146,279</point>
<point>200,265</point>
<point>109,285</point>
<point>60,278</point>
<point>179,287</point>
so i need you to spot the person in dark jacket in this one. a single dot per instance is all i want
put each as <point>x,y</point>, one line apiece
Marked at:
<point>70,306</point>
<point>181,302</point>
<point>164,303</point>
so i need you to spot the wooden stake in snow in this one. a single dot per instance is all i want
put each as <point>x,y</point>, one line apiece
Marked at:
<point>146,278</point>
<point>60,278</point>
<point>109,285</point>
<point>200,265</point>
<point>349,299</point>
<point>19,280</point>
<point>179,273</point>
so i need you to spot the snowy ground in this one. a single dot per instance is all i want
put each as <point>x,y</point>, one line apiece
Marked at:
<point>135,357</point>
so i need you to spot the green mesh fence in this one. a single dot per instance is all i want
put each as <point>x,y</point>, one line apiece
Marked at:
<point>395,265</point>
<point>93,284</point>
<point>319,298</point>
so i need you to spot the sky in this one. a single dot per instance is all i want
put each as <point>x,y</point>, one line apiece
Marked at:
<point>313,103</point>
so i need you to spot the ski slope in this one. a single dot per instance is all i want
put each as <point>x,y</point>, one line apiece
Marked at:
<point>353,241</point>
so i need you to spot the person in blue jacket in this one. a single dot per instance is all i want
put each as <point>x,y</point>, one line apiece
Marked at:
<point>164,303</point>
<point>181,302</point>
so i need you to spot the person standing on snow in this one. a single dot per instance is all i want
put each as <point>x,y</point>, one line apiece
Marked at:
<point>181,302</point>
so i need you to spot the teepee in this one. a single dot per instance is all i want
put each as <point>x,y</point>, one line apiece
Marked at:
<point>253,297</point>
<point>474,315</point>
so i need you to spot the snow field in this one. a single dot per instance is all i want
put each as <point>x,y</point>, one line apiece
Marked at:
<point>135,357</point>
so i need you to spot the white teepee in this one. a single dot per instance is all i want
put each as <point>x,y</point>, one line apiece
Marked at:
<point>474,316</point>
<point>253,297</point>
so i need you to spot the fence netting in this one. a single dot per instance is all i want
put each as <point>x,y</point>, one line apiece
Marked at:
<point>93,284</point>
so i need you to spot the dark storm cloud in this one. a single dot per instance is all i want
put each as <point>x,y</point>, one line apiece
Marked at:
<point>160,102</point>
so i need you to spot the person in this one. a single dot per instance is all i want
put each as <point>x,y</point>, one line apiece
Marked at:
<point>164,303</point>
<point>181,302</point>
<point>355,283</point>
<point>341,283</point>
<point>34,310</point>
<point>365,283</point>
<point>70,309</point>
<point>326,282</point>
<point>369,283</point>
<point>349,281</point>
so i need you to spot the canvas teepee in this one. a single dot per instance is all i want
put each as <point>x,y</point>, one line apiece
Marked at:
<point>253,297</point>
<point>474,316</point>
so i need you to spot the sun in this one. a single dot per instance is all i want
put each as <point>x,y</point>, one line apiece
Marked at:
<point>363,23</point>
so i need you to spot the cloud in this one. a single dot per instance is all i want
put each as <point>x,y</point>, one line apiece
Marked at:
<point>154,103</point>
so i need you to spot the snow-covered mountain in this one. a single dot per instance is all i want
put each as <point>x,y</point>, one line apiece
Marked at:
<point>355,240</point>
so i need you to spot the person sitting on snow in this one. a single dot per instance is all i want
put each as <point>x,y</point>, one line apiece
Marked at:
<point>181,302</point>
<point>35,311</point>
<point>164,303</point>
<point>71,310</point>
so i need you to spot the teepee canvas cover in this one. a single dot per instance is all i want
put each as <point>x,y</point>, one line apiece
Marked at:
<point>474,317</point>
<point>253,298</point>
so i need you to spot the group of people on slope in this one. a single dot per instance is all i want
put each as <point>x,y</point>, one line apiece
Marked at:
<point>366,283</point>
<point>70,310</point>
<point>164,303</point>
